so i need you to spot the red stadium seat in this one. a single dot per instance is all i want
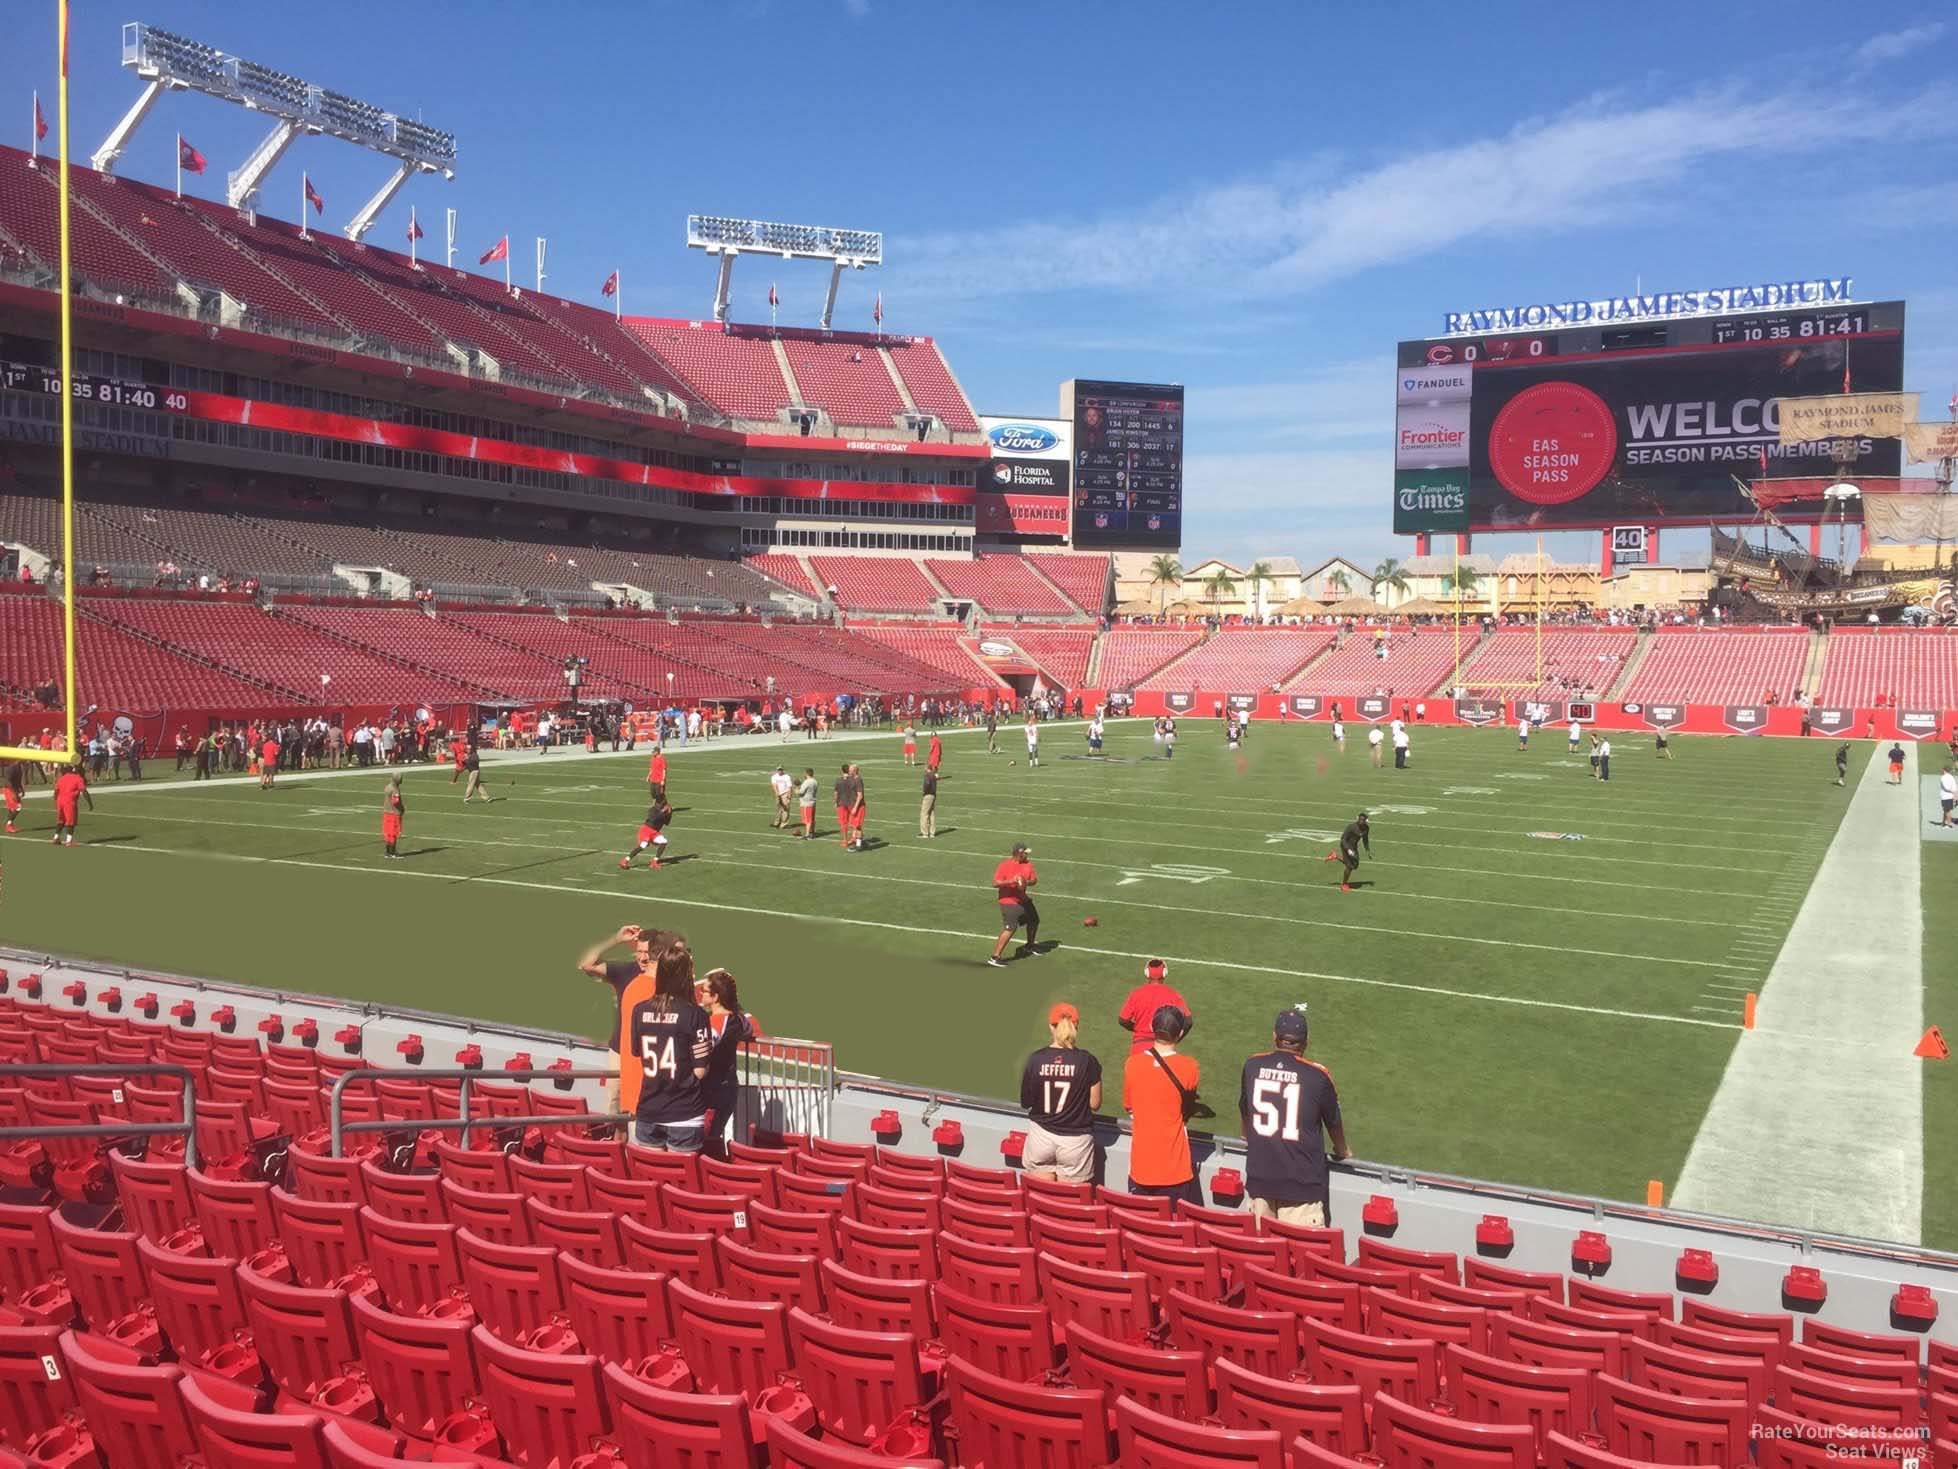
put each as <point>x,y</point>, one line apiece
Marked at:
<point>1304,1239</point>
<point>732,1346</point>
<point>1057,1190</point>
<point>1563,1452</point>
<point>872,1303</point>
<point>236,1216</point>
<point>323,1241</point>
<point>821,1168</point>
<point>1591,1296</point>
<point>1783,1441</point>
<point>814,1194</point>
<point>972,1175</point>
<point>1697,1374</point>
<point>548,1407</point>
<point>1479,1272</point>
<point>1486,1389</point>
<point>234,1438</point>
<point>692,1257</point>
<point>1641,1423</point>
<point>628,1198</point>
<point>1006,1425</point>
<point>790,1449</point>
<point>514,1288</point>
<point>1323,1300</point>
<point>1542,1345</point>
<point>1089,1215</point>
<point>415,1265</point>
<point>752,1181</point>
<point>969,1189</point>
<point>1169,1382</point>
<point>1388,1314</point>
<point>498,1217</point>
<point>894,1254</point>
<point>34,1397</point>
<point>306,1339</point>
<point>422,1368</point>
<point>1439,1264</point>
<point>861,1383</point>
<point>293,1106</point>
<point>1154,1227</point>
<point>1147,1440</point>
<point>1827,1398</point>
<point>1239,1248</point>
<point>1584,1318</point>
<point>886,1208</point>
<point>1763,1349</point>
<point>198,1306</point>
<point>603,1156</point>
<point>1509,1302</point>
<point>1890,1371</point>
<point>105,1275</point>
<point>330,1180</point>
<point>985,1223</point>
<point>1407,1437</point>
<point>619,1315</point>
<point>988,1272</point>
<point>1005,1339</point>
<point>561,1185</point>
<point>1408,1370</point>
<point>1080,1244</point>
<point>1859,1343</point>
<point>487,1170</point>
<point>792,1231</point>
<point>590,1234</point>
<point>155,1197</point>
<point>1776,1325</point>
<point>718,1214</point>
<point>1115,1198</point>
<point>412,1198</point>
<point>1387,1277</point>
<point>134,1413</point>
<point>658,1429</point>
<point>1264,1341</point>
<point>1196,1268</point>
<point>348,1448</point>
<point>761,1275</point>
<point>1329,1413</point>
<point>1112,1302</point>
<point>660,1166</point>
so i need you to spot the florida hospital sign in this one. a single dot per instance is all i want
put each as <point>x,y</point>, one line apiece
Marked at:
<point>1820,292</point>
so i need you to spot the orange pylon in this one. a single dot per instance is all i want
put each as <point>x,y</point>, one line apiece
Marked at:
<point>1932,1046</point>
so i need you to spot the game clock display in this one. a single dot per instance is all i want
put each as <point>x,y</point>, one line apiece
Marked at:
<point>1128,464</point>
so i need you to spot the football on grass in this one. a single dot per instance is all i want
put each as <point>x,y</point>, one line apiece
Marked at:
<point>1091,922</point>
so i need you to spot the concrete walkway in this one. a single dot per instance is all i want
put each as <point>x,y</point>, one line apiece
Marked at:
<point>1818,1122</point>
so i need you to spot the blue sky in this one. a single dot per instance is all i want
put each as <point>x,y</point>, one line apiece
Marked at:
<point>1255,200</point>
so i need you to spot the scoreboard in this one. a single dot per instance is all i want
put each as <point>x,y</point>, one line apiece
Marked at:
<point>1642,423</point>
<point>1128,463</point>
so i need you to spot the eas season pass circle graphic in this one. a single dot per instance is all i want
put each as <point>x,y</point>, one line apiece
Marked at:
<point>1552,443</point>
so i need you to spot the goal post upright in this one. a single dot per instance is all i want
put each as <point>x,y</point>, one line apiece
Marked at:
<point>72,754</point>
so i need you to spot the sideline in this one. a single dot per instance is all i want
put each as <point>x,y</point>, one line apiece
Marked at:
<point>1818,1121</point>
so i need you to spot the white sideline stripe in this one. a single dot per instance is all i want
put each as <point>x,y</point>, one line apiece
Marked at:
<point>1818,1121</point>
<point>639,899</point>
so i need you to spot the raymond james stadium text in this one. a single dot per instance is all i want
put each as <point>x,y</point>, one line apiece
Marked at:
<point>1649,307</point>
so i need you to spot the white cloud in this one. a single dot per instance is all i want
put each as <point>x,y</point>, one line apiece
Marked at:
<point>1301,226</point>
<point>1897,45</point>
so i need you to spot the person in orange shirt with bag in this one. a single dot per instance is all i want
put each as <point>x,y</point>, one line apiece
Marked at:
<point>1159,1092</point>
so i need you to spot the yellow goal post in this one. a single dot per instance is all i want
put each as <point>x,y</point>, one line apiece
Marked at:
<point>1472,687</point>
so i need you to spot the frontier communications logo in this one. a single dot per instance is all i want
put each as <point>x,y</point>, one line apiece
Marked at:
<point>1432,436</point>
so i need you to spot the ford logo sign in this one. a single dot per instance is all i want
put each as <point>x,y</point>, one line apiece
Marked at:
<point>1022,438</point>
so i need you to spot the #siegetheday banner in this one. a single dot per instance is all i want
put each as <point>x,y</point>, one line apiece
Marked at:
<point>1648,437</point>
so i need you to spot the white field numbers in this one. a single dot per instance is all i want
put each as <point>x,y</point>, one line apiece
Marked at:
<point>1275,1108</point>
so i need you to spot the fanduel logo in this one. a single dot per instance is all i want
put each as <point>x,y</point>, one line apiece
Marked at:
<point>1022,438</point>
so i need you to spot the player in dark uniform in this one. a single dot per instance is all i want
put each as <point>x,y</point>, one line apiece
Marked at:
<point>1356,835</point>
<point>992,730</point>
<point>1288,1106</point>
<point>652,833</point>
<point>16,790</point>
<point>1842,762</point>
<point>1661,747</point>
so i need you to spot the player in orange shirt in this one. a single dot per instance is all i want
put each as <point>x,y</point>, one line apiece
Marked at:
<point>268,762</point>
<point>656,774</point>
<point>70,787</point>
<point>1013,881</point>
<point>393,808</point>
<point>935,752</point>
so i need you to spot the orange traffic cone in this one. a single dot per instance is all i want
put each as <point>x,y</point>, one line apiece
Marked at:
<point>1932,1046</point>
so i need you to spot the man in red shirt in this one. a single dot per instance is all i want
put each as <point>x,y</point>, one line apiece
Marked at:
<point>1139,1009</point>
<point>656,775</point>
<point>268,762</point>
<point>393,808</point>
<point>70,787</point>
<point>1013,882</point>
<point>935,753</point>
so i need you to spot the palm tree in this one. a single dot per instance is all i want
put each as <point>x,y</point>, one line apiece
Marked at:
<point>1165,572</point>
<point>1460,582</point>
<point>1258,575</point>
<point>1388,575</point>
<point>1339,581</point>
<point>1218,585</point>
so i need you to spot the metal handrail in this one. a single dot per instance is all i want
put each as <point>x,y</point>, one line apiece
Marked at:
<point>187,1129</point>
<point>463,1122</point>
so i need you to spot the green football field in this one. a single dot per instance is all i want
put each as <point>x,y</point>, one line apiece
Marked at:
<point>1540,982</point>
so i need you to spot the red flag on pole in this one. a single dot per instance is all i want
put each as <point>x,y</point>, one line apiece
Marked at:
<point>499,251</point>
<point>877,311</point>
<point>1845,369</point>
<point>1764,460</point>
<point>611,286</point>
<point>313,194</point>
<point>40,118</point>
<point>414,226</point>
<point>773,299</point>
<point>189,158</point>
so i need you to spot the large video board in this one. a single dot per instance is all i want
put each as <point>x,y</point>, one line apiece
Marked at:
<point>1128,463</point>
<point>1647,424</point>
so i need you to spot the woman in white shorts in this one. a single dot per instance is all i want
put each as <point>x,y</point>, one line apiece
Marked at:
<point>1061,1090</point>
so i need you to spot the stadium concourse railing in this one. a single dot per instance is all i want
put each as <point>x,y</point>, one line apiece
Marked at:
<point>186,1129</point>
<point>792,1086</point>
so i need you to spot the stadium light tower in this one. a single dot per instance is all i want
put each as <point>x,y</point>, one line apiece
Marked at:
<point>727,238</point>
<point>169,62</point>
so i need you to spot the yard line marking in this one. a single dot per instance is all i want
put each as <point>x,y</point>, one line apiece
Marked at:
<point>1714,1009</point>
<point>1850,979</point>
<point>639,900</point>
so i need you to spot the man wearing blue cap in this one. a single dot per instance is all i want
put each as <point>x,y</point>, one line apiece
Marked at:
<point>1287,1103</point>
